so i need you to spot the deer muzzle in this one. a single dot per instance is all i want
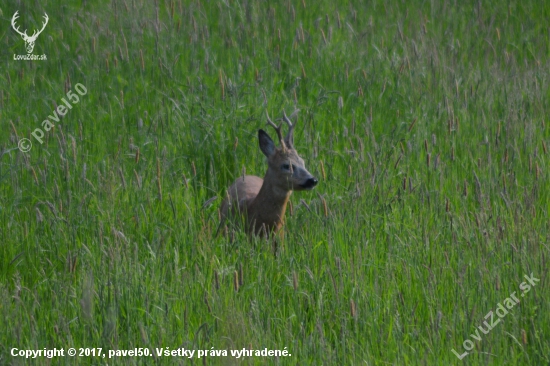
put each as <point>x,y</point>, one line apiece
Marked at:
<point>310,183</point>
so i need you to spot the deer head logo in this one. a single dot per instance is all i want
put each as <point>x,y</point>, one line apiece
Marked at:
<point>29,40</point>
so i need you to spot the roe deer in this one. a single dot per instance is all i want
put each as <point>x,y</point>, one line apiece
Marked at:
<point>263,201</point>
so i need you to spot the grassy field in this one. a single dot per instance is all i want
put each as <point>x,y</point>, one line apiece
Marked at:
<point>426,123</point>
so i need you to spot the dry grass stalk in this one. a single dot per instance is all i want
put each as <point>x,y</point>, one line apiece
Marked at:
<point>185,180</point>
<point>122,177</point>
<point>143,334</point>
<point>125,46</point>
<point>34,175</point>
<point>207,303</point>
<point>290,208</point>
<point>216,280</point>
<point>323,170</point>
<point>159,183</point>
<point>138,179</point>
<point>39,216</point>
<point>325,208</point>
<point>397,162</point>
<point>236,281</point>
<point>222,85</point>
<point>71,262</point>
<point>353,309</point>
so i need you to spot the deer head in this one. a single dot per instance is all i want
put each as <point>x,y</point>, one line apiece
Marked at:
<point>286,169</point>
<point>29,40</point>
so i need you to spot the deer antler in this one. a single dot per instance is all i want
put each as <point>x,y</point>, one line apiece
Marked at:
<point>15,28</point>
<point>35,34</point>
<point>24,34</point>
<point>289,139</point>
<point>278,129</point>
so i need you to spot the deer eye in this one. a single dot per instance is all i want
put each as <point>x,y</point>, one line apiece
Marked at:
<point>285,167</point>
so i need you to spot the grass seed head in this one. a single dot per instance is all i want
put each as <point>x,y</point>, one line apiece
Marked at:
<point>353,309</point>
<point>236,281</point>
<point>323,170</point>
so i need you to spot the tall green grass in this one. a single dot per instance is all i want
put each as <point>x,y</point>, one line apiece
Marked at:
<point>425,121</point>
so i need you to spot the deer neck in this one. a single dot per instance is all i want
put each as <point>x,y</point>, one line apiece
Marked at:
<point>270,203</point>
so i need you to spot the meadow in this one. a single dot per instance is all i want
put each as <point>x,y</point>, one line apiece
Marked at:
<point>426,123</point>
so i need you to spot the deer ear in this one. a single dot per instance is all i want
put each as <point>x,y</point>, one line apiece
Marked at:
<point>266,143</point>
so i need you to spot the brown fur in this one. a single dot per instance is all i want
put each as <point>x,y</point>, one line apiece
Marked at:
<point>263,201</point>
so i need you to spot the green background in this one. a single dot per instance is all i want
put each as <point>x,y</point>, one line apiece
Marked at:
<point>426,123</point>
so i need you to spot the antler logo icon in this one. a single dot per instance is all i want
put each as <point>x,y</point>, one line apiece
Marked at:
<point>29,40</point>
